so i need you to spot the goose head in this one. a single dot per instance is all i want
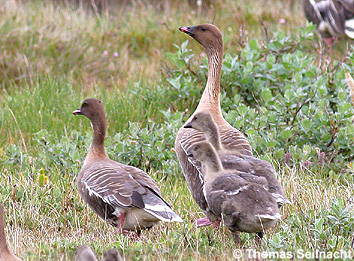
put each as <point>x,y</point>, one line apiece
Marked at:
<point>208,35</point>
<point>201,121</point>
<point>91,108</point>
<point>201,151</point>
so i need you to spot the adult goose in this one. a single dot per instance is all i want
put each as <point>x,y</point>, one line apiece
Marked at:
<point>333,18</point>
<point>209,36</point>
<point>243,206</point>
<point>5,252</point>
<point>122,195</point>
<point>202,121</point>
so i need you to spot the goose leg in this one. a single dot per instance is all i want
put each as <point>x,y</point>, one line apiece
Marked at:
<point>329,41</point>
<point>258,238</point>
<point>203,222</point>
<point>121,220</point>
<point>130,234</point>
<point>237,239</point>
<point>216,224</point>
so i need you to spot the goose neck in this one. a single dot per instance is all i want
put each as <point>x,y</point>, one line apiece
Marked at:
<point>212,136</point>
<point>212,167</point>
<point>99,132</point>
<point>211,94</point>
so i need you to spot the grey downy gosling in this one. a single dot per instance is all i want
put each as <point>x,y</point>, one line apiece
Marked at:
<point>257,168</point>
<point>243,206</point>
<point>122,195</point>
<point>85,253</point>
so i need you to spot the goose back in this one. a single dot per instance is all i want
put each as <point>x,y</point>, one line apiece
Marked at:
<point>111,188</point>
<point>244,206</point>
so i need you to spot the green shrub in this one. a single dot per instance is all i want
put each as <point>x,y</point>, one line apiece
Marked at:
<point>289,109</point>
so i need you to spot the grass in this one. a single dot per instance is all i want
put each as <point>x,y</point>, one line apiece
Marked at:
<point>54,56</point>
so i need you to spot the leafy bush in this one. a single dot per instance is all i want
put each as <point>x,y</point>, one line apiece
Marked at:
<point>325,228</point>
<point>288,108</point>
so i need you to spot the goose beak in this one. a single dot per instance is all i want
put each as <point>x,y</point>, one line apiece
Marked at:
<point>77,112</point>
<point>187,29</point>
<point>188,125</point>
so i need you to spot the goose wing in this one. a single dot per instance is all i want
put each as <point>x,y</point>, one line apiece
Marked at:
<point>186,138</point>
<point>123,186</point>
<point>257,171</point>
<point>233,140</point>
<point>115,185</point>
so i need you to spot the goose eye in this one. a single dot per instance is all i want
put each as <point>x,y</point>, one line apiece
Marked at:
<point>203,29</point>
<point>84,104</point>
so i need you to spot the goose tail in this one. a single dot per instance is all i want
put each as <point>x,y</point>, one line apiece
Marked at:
<point>349,28</point>
<point>162,212</point>
<point>280,199</point>
<point>267,217</point>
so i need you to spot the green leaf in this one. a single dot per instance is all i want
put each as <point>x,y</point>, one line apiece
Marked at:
<point>266,95</point>
<point>286,134</point>
<point>306,124</point>
<point>254,44</point>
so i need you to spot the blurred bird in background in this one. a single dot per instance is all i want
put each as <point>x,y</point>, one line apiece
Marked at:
<point>334,18</point>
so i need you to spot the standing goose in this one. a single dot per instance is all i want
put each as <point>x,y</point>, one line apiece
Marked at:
<point>122,195</point>
<point>5,253</point>
<point>202,121</point>
<point>209,36</point>
<point>242,205</point>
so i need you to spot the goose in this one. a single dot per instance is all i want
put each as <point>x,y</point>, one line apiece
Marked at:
<point>85,253</point>
<point>260,169</point>
<point>209,36</point>
<point>243,206</point>
<point>333,18</point>
<point>5,252</point>
<point>112,255</point>
<point>122,195</point>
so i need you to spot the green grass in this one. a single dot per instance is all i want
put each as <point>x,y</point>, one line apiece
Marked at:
<point>54,57</point>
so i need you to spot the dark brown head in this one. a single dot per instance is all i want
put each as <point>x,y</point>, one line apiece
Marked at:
<point>91,108</point>
<point>208,35</point>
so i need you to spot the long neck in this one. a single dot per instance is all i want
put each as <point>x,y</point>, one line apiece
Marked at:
<point>99,132</point>
<point>212,167</point>
<point>213,137</point>
<point>211,96</point>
